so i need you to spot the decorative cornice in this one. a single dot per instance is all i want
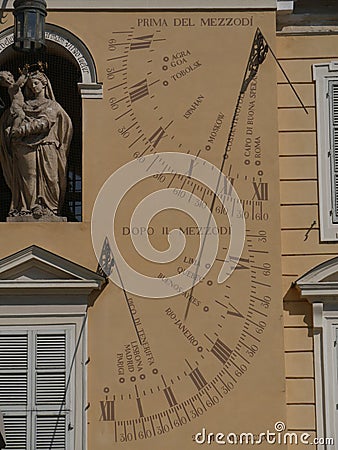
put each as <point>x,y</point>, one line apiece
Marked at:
<point>312,291</point>
<point>157,4</point>
<point>37,270</point>
<point>320,287</point>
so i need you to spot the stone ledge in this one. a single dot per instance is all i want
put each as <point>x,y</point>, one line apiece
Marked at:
<point>31,219</point>
<point>155,4</point>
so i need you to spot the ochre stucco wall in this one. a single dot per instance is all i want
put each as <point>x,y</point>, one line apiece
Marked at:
<point>299,209</point>
<point>259,398</point>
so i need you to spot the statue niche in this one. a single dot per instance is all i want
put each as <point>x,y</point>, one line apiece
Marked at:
<point>35,136</point>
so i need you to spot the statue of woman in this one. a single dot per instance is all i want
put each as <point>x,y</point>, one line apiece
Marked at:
<point>33,154</point>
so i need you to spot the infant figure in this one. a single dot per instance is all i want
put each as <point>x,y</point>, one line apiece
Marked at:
<point>16,96</point>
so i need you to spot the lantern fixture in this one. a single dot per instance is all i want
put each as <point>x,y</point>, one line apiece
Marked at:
<point>29,24</point>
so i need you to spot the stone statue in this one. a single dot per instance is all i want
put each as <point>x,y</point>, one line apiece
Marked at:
<point>15,94</point>
<point>35,136</point>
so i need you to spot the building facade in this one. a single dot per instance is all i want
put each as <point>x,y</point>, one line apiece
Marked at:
<point>220,121</point>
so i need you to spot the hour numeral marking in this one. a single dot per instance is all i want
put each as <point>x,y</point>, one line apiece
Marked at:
<point>157,136</point>
<point>235,312</point>
<point>142,42</point>
<point>240,263</point>
<point>221,351</point>
<point>228,185</point>
<point>261,191</point>
<point>107,410</point>
<point>193,163</point>
<point>170,396</point>
<point>198,379</point>
<point>138,91</point>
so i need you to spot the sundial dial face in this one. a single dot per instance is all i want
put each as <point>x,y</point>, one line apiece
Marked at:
<point>198,351</point>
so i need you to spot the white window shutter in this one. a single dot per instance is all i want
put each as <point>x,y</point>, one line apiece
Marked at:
<point>50,385</point>
<point>16,432</point>
<point>51,351</point>
<point>334,148</point>
<point>50,369</point>
<point>50,432</point>
<point>14,388</point>
<point>34,367</point>
<point>13,369</point>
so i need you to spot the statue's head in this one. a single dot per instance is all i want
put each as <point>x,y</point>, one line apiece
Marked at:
<point>36,85</point>
<point>37,75</point>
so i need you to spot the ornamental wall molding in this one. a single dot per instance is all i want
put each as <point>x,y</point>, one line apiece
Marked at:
<point>35,270</point>
<point>156,4</point>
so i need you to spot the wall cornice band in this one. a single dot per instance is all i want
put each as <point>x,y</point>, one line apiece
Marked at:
<point>156,4</point>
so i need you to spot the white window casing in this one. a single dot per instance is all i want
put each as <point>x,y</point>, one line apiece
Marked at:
<point>37,386</point>
<point>333,142</point>
<point>326,78</point>
<point>43,333</point>
<point>320,287</point>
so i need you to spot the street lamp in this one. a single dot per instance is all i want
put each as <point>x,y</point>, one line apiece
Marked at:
<point>29,24</point>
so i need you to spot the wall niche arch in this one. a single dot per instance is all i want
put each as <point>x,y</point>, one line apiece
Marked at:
<point>72,73</point>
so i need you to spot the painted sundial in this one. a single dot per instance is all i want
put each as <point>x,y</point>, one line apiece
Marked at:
<point>191,102</point>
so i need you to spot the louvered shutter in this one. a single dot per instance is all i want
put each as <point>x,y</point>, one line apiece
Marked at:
<point>50,385</point>
<point>14,388</point>
<point>16,432</point>
<point>50,369</point>
<point>334,149</point>
<point>50,433</point>
<point>33,379</point>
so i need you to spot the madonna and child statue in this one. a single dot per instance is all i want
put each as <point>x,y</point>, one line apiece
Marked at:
<point>35,136</point>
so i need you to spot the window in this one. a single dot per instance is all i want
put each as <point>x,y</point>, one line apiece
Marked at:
<point>326,77</point>
<point>43,312</point>
<point>36,386</point>
<point>333,141</point>
<point>320,287</point>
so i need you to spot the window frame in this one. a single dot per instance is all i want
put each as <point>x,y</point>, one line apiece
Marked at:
<point>39,288</point>
<point>32,410</point>
<point>75,439</point>
<point>325,75</point>
<point>319,287</point>
<point>329,358</point>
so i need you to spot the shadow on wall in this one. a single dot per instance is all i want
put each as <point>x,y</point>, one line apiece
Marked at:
<point>297,311</point>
